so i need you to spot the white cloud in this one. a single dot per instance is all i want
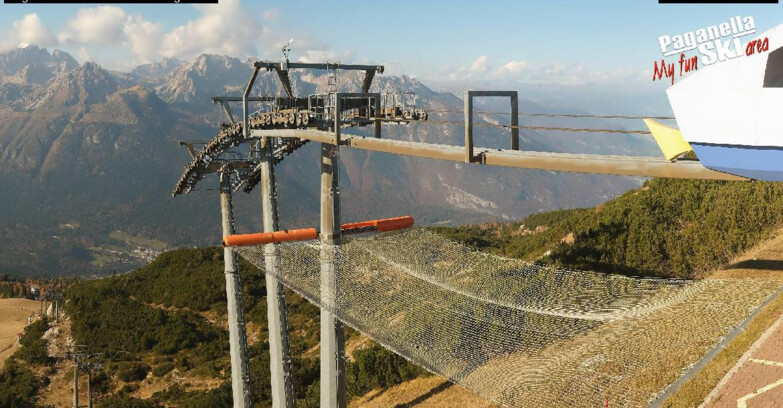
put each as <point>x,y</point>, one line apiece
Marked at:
<point>143,37</point>
<point>111,26</point>
<point>121,40</point>
<point>223,28</point>
<point>100,25</point>
<point>513,68</point>
<point>318,56</point>
<point>477,70</point>
<point>480,64</point>
<point>323,55</point>
<point>28,30</point>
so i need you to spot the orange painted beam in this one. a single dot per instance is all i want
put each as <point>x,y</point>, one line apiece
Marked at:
<point>261,238</point>
<point>387,224</point>
<point>270,237</point>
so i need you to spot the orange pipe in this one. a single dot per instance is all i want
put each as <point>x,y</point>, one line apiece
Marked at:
<point>261,238</point>
<point>387,224</point>
<point>270,237</point>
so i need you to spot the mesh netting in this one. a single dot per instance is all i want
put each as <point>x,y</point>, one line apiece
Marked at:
<point>516,333</point>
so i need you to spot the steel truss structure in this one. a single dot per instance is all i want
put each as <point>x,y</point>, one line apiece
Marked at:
<point>286,123</point>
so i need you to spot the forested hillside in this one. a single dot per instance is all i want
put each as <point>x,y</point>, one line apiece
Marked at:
<point>671,228</point>
<point>167,322</point>
<point>163,331</point>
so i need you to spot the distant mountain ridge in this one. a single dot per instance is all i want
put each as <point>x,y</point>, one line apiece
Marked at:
<point>90,156</point>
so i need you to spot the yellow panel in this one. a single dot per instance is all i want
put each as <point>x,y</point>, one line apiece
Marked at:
<point>669,139</point>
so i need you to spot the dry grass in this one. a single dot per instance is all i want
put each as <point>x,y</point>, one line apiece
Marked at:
<point>13,319</point>
<point>430,392</point>
<point>763,261</point>
<point>625,361</point>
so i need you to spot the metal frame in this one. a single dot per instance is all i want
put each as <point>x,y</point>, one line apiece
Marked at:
<point>636,166</point>
<point>333,393</point>
<point>282,69</point>
<point>286,65</point>
<point>469,95</point>
<point>339,96</point>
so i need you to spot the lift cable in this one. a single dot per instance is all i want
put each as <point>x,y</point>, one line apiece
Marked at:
<point>546,128</point>
<point>560,115</point>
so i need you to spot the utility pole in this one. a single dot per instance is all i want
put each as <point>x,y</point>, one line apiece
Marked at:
<point>55,298</point>
<point>332,332</point>
<point>78,355</point>
<point>279,346</point>
<point>82,360</point>
<point>240,378</point>
<point>89,388</point>
<point>75,383</point>
<point>95,363</point>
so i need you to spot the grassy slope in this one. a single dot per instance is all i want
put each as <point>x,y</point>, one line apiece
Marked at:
<point>13,319</point>
<point>673,228</point>
<point>169,318</point>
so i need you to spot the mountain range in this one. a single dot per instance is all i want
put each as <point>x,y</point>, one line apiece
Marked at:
<point>88,157</point>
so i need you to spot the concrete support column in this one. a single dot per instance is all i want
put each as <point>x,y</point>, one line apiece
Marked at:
<point>240,379</point>
<point>332,332</point>
<point>279,346</point>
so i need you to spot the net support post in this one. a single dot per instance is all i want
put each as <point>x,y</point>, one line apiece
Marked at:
<point>377,115</point>
<point>277,317</point>
<point>333,394</point>
<point>468,110</point>
<point>337,109</point>
<point>75,383</point>
<point>514,121</point>
<point>240,378</point>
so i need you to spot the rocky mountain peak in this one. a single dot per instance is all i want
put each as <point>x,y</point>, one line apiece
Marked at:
<point>17,59</point>
<point>86,84</point>
<point>157,71</point>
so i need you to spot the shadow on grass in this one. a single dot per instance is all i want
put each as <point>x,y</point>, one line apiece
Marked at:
<point>421,398</point>
<point>760,264</point>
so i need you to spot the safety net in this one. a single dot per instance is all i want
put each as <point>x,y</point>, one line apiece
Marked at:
<point>516,333</point>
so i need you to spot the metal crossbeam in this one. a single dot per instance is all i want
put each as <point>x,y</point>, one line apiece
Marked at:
<point>269,65</point>
<point>637,166</point>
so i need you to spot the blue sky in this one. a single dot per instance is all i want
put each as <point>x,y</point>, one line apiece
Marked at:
<point>575,40</point>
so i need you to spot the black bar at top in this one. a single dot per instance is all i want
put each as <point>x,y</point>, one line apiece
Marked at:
<point>110,2</point>
<point>717,1</point>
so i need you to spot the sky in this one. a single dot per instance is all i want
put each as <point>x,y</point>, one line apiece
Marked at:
<point>612,42</point>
